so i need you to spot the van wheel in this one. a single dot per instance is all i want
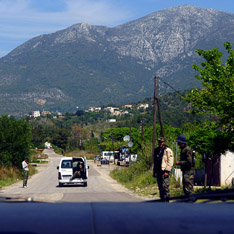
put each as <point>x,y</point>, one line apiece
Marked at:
<point>60,184</point>
<point>85,184</point>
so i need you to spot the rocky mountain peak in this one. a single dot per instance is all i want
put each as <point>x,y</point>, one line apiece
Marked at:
<point>95,65</point>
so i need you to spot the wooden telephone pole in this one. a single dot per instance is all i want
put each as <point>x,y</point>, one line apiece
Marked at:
<point>156,105</point>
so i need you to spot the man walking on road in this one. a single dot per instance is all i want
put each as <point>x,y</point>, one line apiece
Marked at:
<point>186,164</point>
<point>25,166</point>
<point>163,162</point>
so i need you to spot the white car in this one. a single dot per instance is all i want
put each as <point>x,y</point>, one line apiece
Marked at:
<point>68,166</point>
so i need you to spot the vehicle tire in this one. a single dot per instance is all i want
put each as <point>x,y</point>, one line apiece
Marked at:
<point>85,184</point>
<point>60,184</point>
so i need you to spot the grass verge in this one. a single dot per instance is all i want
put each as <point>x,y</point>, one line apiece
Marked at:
<point>142,182</point>
<point>11,175</point>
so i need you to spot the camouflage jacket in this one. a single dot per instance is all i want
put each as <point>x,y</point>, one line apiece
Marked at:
<point>186,159</point>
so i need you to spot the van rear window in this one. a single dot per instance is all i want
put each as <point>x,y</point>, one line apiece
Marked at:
<point>66,164</point>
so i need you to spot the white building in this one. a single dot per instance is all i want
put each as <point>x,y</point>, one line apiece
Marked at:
<point>95,109</point>
<point>127,106</point>
<point>144,106</point>
<point>36,114</point>
<point>227,169</point>
<point>48,145</point>
<point>91,109</point>
<point>46,113</point>
<point>111,109</point>
<point>111,120</point>
<point>116,112</point>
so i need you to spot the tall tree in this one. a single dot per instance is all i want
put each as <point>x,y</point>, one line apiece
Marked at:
<point>15,141</point>
<point>217,96</point>
<point>78,135</point>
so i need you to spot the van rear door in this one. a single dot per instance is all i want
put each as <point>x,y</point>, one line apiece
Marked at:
<point>86,167</point>
<point>66,168</point>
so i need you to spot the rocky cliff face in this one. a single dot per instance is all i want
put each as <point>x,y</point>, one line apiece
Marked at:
<point>83,62</point>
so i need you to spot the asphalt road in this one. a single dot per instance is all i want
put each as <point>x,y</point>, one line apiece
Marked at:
<point>44,186</point>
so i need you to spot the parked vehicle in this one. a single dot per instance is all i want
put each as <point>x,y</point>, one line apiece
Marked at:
<point>68,166</point>
<point>108,155</point>
<point>123,156</point>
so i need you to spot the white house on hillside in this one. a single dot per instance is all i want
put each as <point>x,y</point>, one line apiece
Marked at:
<point>144,106</point>
<point>36,114</point>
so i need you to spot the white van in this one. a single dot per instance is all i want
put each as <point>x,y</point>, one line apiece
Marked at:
<point>108,155</point>
<point>68,166</point>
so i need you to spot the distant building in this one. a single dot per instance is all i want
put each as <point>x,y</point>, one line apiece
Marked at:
<point>48,145</point>
<point>116,112</point>
<point>46,113</point>
<point>97,109</point>
<point>111,109</point>
<point>36,114</point>
<point>144,106</point>
<point>91,109</point>
<point>111,120</point>
<point>94,109</point>
<point>127,106</point>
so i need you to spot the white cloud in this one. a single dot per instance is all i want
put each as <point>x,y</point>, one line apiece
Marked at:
<point>23,20</point>
<point>76,11</point>
<point>96,12</point>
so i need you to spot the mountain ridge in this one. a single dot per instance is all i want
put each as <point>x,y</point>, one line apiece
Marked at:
<point>90,65</point>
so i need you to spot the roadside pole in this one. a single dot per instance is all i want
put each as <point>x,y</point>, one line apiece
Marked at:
<point>130,134</point>
<point>112,137</point>
<point>160,118</point>
<point>142,132</point>
<point>91,143</point>
<point>154,117</point>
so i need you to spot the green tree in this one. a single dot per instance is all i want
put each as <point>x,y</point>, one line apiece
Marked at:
<point>60,137</point>
<point>217,96</point>
<point>15,141</point>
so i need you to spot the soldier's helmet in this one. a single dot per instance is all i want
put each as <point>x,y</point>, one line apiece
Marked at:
<point>181,139</point>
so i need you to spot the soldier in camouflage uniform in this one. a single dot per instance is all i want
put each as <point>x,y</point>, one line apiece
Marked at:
<point>163,162</point>
<point>186,164</point>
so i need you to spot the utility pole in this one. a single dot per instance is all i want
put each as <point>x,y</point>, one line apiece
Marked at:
<point>130,129</point>
<point>91,143</point>
<point>142,131</point>
<point>156,105</point>
<point>160,118</point>
<point>130,134</point>
<point>154,116</point>
<point>112,137</point>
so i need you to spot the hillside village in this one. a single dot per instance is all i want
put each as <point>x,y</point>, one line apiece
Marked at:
<point>114,111</point>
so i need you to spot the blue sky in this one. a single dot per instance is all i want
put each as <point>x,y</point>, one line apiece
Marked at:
<point>21,20</point>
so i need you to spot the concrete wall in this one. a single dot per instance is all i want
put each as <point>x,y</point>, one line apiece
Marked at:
<point>227,169</point>
<point>178,174</point>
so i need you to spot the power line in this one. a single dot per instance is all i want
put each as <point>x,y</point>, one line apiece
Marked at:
<point>170,86</point>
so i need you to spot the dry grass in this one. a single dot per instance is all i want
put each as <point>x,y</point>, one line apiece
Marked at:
<point>80,153</point>
<point>12,175</point>
<point>9,176</point>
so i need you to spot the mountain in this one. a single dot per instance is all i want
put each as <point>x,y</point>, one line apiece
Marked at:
<point>86,65</point>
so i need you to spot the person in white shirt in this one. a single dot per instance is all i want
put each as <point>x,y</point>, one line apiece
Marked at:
<point>25,166</point>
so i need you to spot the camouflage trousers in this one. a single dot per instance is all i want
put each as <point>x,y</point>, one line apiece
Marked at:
<point>163,186</point>
<point>188,182</point>
<point>25,179</point>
